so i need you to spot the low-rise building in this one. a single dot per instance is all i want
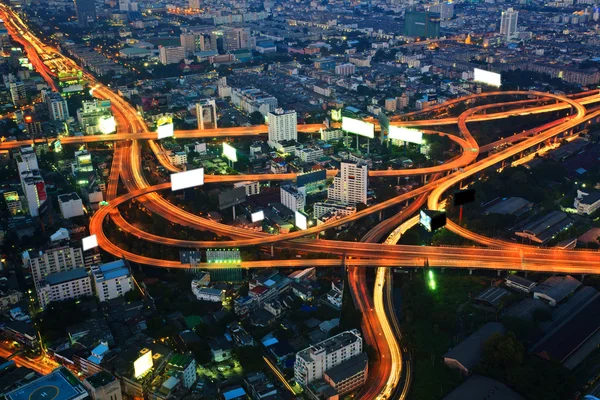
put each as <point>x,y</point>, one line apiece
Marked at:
<point>556,288</point>
<point>208,294</point>
<point>103,386</point>
<point>587,203</point>
<point>466,355</point>
<point>520,283</point>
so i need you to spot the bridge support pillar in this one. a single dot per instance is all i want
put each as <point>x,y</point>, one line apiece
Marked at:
<point>470,271</point>
<point>582,277</point>
<point>272,251</point>
<point>443,269</point>
<point>499,272</point>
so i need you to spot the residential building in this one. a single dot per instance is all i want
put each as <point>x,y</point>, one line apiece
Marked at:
<point>314,361</point>
<point>322,208</point>
<point>64,285</point>
<point>178,157</point>
<point>54,259</point>
<point>21,332</point>
<point>345,69</point>
<point>309,154</point>
<point>94,116</point>
<point>57,106</point>
<point>520,283</point>
<point>508,23</point>
<point>251,100</point>
<point>171,54</point>
<point>208,294</point>
<point>283,125</point>
<point>112,280</point>
<point>350,184</point>
<point>70,205</point>
<point>206,112</point>
<point>293,197</point>
<point>252,187</point>
<point>103,386</point>
<point>349,375</point>
<point>86,13</point>
<point>32,183</point>
<point>444,8</point>
<point>18,93</point>
<point>587,202</point>
<point>184,367</point>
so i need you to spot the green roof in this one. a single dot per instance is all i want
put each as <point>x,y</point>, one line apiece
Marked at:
<point>193,321</point>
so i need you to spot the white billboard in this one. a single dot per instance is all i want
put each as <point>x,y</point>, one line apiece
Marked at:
<point>107,124</point>
<point>358,127</point>
<point>187,179</point>
<point>229,152</point>
<point>89,242</point>
<point>301,221</point>
<point>425,220</point>
<point>487,77</point>
<point>257,216</point>
<point>143,364</point>
<point>164,131</point>
<point>405,134</point>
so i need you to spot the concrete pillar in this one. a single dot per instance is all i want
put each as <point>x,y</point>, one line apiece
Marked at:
<point>499,272</point>
<point>470,271</point>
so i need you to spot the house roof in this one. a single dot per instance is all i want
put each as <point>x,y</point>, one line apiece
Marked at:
<point>468,352</point>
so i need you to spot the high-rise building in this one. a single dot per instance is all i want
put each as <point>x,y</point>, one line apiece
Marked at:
<point>86,12</point>
<point>314,361</point>
<point>206,113</point>
<point>171,54</point>
<point>57,257</point>
<point>350,184</point>
<point>194,4</point>
<point>57,106</point>
<point>283,125</point>
<point>32,183</point>
<point>421,24</point>
<point>18,94</point>
<point>293,197</point>
<point>445,9</point>
<point>65,285</point>
<point>70,205</point>
<point>345,69</point>
<point>508,23</point>
<point>128,6</point>
<point>238,38</point>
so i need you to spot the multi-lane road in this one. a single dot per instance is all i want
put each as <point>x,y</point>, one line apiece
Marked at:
<point>378,330</point>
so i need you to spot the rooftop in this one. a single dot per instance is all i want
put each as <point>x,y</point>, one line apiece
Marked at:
<point>348,368</point>
<point>332,344</point>
<point>111,270</point>
<point>68,197</point>
<point>468,352</point>
<point>66,276</point>
<point>480,387</point>
<point>60,384</point>
<point>100,379</point>
<point>558,287</point>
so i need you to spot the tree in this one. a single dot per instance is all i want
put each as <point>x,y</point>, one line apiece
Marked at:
<point>501,354</point>
<point>256,118</point>
<point>250,358</point>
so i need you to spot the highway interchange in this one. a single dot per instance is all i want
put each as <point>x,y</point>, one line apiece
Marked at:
<point>379,327</point>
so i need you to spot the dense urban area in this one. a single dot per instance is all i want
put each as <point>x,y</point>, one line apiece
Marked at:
<point>325,200</point>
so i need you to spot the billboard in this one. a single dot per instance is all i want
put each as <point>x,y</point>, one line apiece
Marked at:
<point>464,196</point>
<point>89,242</point>
<point>229,152</point>
<point>487,77</point>
<point>358,127</point>
<point>384,121</point>
<point>232,197</point>
<point>257,216</point>
<point>187,179</point>
<point>301,221</point>
<point>405,134</point>
<point>143,364</point>
<point>164,127</point>
<point>107,124</point>
<point>432,220</point>
<point>336,115</point>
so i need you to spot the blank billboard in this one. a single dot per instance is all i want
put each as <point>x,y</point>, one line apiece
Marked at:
<point>301,221</point>
<point>229,152</point>
<point>142,364</point>
<point>487,77</point>
<point>187,179</point>
<point>257,216</point>
<point>164,131</point>
<point>89,242</point>
<point>464,196</point>
<point>405,134</point>
<point>358,127</point>
<point>232,197</point>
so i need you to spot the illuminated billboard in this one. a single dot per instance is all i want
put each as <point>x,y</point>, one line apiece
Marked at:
<point>432,220</point>
<point>487,77</point>
<point>107,124</point>
<point>143,364</point>
<point>257,216</point>
<point>229,152</point>
<point>301,221</point>
<point>358,127</point>
<point>187,179</point>
<point>405,134</point>
<point>336,115</point>
<point>164,127</point>
<point>89,242</point>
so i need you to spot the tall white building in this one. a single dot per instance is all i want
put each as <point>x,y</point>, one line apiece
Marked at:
<point>445,9</point>
<point>293,197</point>
<point>350,184</point>
<point>171,54</point>
<point>32,183</point>
<point>70,205</point>
<point>112,280</point>
<point>206,112</point>
<point>64,285</point>
<point>57,106</point>
<point>283,125</point>
<point>18,93</point>
<point>312,362</point>
<point>51,261</point>
<point>508,23</point>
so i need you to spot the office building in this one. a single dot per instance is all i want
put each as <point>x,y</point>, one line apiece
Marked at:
<point>251,187</point>
<point>508,23</point>
<point>86,13</point>
<point>445,9</point>
<point>283,125</point>
<point>421,24</point>
<point>171,54</point>
<point>292,197</point>
<point>112,280</point>
<point>57,106</point>
<point>65,285</point>
<point>56,258</point>
<point>32,183</point>
<point>103,386</point>
<point>587,202</point>
<point>94,115</point>
<point>350,184</point>
<point>206,113</point>
<point>314,361</point>
<point>237,38</point>
<point>70,205</point>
